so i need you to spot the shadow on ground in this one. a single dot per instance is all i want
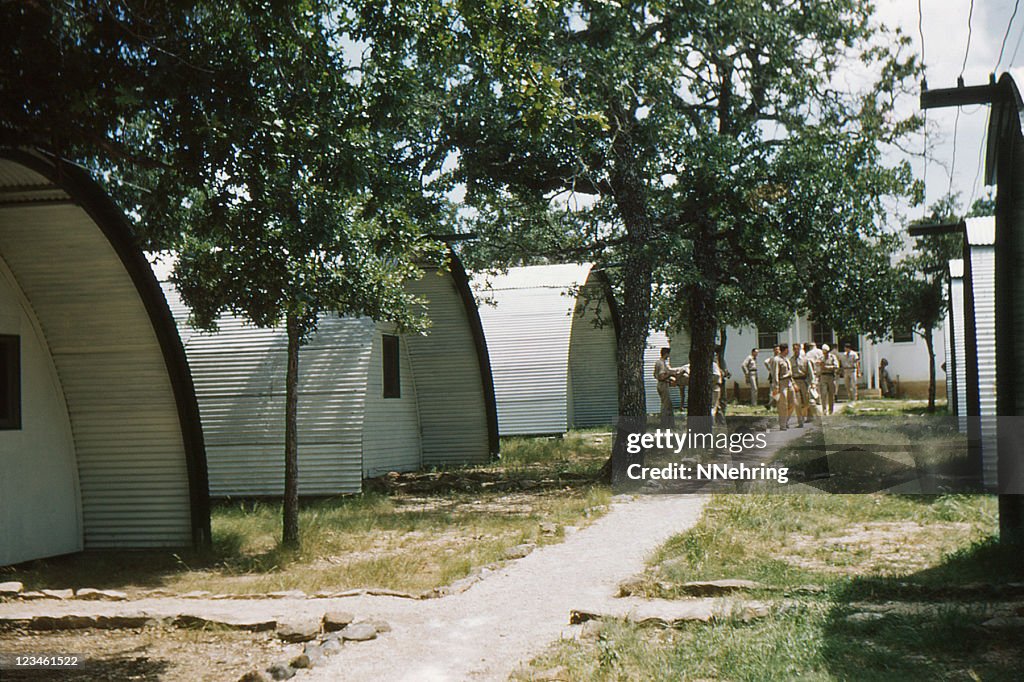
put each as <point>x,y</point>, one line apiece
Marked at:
<point>934,624</point>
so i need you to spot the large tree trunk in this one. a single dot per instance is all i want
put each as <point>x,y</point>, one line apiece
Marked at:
<point>635,317</point>
<point>290,537</point>
<point>929,344</point>
<point>703,323</point>
<point>633,326</point>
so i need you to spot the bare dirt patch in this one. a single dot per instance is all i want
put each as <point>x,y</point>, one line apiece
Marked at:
<point>877,548</point>
<point>147,654</point>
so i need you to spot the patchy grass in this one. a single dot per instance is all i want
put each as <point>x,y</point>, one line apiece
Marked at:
<point>904,450</point>
<point>828,556</point>
<point>578,452</point>
<point>888,406</point>
<point>402,542</point>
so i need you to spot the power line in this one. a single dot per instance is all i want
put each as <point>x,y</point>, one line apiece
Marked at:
<point>1016,6</point>
<point>981,156</point>
<point>960,80</point>
<point>970,15</point>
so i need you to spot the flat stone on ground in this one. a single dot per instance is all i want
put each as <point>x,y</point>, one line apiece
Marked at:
<point>100,595</point>
<point>298,630</point>
<point>359,632</point>
<point>11,588</point>
<point>287,594</point>
<point>281,671</point>
<point>58,594</point>
<point>519,551</point>
<point>331,646</point>
<point>336,619</point>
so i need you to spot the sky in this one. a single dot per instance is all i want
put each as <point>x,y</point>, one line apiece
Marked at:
<point>945,27</point>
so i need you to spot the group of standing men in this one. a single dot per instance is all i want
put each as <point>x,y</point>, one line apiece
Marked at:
<point>670,377</point>
<point>803,384</point>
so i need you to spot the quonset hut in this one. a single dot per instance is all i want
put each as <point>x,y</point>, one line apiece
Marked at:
<point>370,400</point>
<point>552,336</point>
<point>100,443</point>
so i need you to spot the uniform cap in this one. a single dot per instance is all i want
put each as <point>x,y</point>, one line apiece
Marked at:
<point>825,347</point>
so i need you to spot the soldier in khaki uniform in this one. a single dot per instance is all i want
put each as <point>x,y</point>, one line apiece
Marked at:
<point>827,380</point>
<point>804,380</point>
<point>769,365</point>
<point>749,368</point>
<point>667,377</point>
<point>782,378</point>
<point>849,360</point>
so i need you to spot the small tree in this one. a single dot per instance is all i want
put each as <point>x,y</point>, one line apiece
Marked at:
<point>278,147</point>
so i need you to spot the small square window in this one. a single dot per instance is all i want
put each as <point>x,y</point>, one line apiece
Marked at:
<point>392,368</point>
<point>766,339</point>
<point>822,335</point>
<point>903,336</point>
<point>10,382</point>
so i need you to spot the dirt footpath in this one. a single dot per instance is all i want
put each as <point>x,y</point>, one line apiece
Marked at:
<point>486,632</point>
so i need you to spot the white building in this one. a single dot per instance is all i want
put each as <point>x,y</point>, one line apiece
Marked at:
<point>907,355</point>
<point>100,444</point>
<point>551,334</point>
<point>370,401</point>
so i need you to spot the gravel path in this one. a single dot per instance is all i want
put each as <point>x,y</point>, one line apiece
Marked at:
<point>486,632</point>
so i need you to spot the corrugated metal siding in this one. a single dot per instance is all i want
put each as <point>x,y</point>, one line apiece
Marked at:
<point>956,304</point>
<point>131,457</point>
<point>946,330</point>
<point>981,237</point>
<point>453,414</point>
<point>652,351</point>
<point>593,381</point>
<point>239,374</point>
<point>527,319</point>
<point>391,430</point>
<point>40,510</point>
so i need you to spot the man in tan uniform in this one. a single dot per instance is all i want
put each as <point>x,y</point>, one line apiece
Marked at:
<point>749,368</point>
<point>849,360</point>
<point>804,380</point>
<point>827,380</point>
<point>666,376</point>
<point>782,377</point>
<point>769,364</point>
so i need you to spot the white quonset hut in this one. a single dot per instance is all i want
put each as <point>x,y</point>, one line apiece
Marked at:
<point>100,445</point>
<point>370,401</point>
<point>958,336</point>
<point>980,266</point>
<point>552,336</point>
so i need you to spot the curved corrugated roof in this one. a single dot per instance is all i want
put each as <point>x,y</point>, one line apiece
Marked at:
<point>528,315</point>
<point>129,394</point>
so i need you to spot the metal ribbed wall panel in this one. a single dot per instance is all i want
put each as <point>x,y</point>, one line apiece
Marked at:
<point>453,412</point>
<point>129,448</point>
<point>527,319</point>
<point>239,374</point>
<point>948,341</point>
<point>391,430</point>
<point>593,380</point>
<point>956,306</point>
<point>981,241</point>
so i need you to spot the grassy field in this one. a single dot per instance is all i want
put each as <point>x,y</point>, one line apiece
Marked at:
<point>825,557</point>
<point>402,541</point>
